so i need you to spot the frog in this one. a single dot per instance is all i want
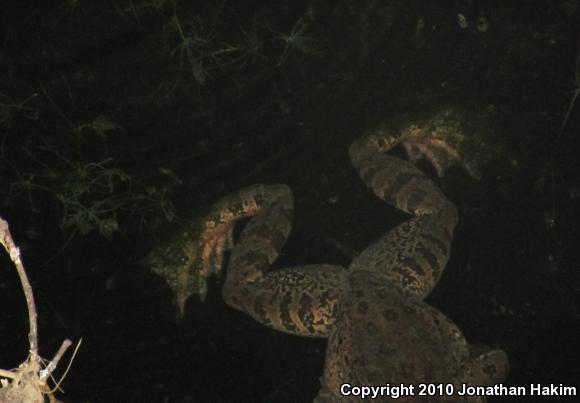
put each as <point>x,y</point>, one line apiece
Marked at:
<point>379,328</point>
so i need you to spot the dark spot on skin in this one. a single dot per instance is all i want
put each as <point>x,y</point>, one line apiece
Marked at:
<point>324,299</point>
<point>363,308</point>
<point>382,293</point>
<point>415,199</point>
<point>412,265</point>
<point>401,180</point>
<point>390,315</point>
<point>285,318</point>
<point>372,328</point>
<point>305,309</point>
<point>260,310</point>
<point>260,198</point>
<point>441,246</point>
<point>428,256</point>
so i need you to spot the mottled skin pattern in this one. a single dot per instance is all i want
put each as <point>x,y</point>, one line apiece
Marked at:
<point>379,329</point>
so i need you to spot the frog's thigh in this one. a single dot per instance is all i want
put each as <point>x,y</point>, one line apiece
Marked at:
<point>261,240</point>
<point>412,255</point>
<point>298,300</point>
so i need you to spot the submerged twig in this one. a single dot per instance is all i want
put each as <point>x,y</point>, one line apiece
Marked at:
<point>28,382</point>
<point>14,252</point>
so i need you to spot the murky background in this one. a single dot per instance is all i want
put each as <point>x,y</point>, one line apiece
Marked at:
<point>121,120</point>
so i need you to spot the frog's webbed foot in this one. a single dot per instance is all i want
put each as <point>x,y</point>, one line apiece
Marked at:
<point>486,366</point>
<point>213,249</point>
<point>190,256</point>
<point>197,250</point>
<point>438,141</point>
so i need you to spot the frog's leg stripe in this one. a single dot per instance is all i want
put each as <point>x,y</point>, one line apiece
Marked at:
<point>441,245</point>
<point>263,237</point>
<point>418,254</point>
<point>244,203</point>
<point>419,248</point>
<point>395,181</point>
<point>298,300</point>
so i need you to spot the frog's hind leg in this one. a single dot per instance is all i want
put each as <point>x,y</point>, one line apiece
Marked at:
<point>299,300</point>
<point>412,255</point>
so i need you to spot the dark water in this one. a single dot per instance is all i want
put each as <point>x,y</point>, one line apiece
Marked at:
<point>114,116</point>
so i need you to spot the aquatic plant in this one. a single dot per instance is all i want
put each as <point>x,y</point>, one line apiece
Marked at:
<point>200,48</point>
<point>10,107</point>
<point>213,40</point>
<point>91,194</point>
<point>297,40</point>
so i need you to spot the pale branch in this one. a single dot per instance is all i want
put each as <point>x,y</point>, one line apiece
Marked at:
<point>14,252</point>
<point>28,382</point>
<point>47,371</point>
<point>7,374</point>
